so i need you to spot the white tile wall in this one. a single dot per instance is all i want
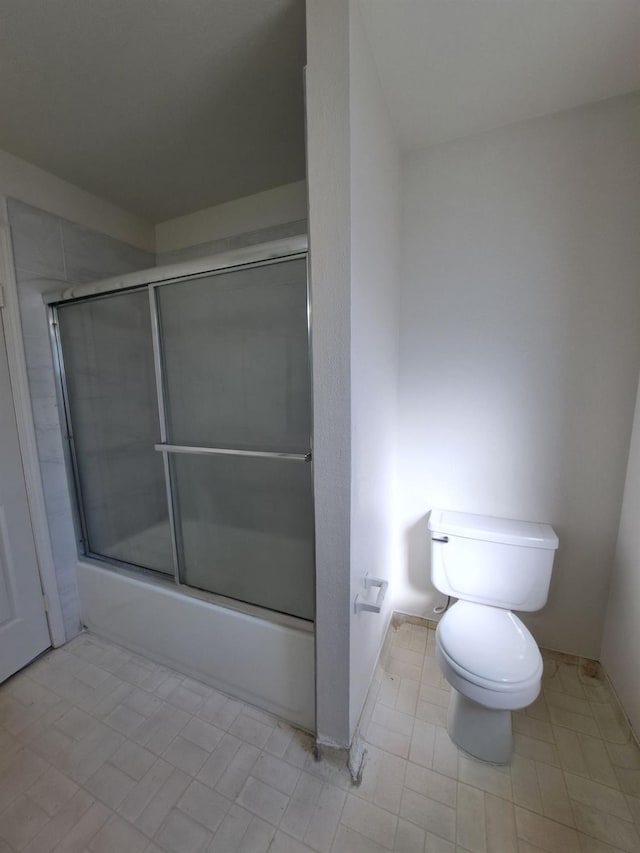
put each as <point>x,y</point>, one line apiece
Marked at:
<point>50,253</point>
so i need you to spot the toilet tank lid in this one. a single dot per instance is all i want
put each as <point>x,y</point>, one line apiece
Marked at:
<point>507,531</point>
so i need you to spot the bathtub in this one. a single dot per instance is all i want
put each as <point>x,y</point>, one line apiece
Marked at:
<point>268,662</point>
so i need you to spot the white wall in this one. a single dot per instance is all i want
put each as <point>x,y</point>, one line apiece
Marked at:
<point>34,186</point>
<point>265,211</point>
<point>354,195</point>
<point>287,203</point>
<point>375,210</point>
<point>621,639</point>
<point>327,105</point>
<point>520,346</point>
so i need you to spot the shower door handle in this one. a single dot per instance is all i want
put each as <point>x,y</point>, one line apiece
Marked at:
<point>230,451</point>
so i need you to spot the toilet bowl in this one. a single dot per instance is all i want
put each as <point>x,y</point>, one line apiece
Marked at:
<point>493,665</point>
<point>485,652</point>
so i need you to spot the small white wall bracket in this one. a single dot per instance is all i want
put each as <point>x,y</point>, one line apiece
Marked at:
<point>361,604</point>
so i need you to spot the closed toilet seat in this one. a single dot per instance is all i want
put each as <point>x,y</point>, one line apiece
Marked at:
<point>489,655</point>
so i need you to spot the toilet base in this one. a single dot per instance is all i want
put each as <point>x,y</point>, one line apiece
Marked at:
<point>484,733</point>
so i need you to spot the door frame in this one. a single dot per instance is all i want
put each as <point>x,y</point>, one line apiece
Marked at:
<point>26,430</point>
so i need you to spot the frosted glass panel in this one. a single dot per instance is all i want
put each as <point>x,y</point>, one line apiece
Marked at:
<point>245,529</point>
<point>236,359</point>
<point>109,371</point>
<point>235,366</point>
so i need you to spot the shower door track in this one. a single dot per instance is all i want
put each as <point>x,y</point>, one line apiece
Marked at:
<point>274,251</point>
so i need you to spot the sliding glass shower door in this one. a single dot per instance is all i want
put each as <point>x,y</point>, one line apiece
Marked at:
<point>113,425</point>
<point>236,395</point>
<point>193,396</point>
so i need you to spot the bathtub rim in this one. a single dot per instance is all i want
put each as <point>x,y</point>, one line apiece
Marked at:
<point>166,582</point>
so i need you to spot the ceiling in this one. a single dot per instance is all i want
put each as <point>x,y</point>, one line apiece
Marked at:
<point>166,107</point>
<point>452,68</point>
<point>160,106</point>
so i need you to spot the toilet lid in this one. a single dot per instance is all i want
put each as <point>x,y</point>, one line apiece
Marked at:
<point>488,643</point>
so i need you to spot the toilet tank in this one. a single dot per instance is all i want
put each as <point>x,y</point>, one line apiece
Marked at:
<point>497,561</point>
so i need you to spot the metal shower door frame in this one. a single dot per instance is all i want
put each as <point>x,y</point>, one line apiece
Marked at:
<point>165,447</point>
<point>295,249</point>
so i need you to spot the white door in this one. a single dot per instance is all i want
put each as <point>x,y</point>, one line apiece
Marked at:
<point>24,632</point>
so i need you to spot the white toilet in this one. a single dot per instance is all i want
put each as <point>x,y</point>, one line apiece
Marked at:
<point>492,566</point>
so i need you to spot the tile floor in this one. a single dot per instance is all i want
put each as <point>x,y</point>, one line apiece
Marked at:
<point>102,751</point>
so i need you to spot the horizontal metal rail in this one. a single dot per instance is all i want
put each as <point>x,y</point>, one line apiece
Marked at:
<point>228,451</point>
<point>288,248</point>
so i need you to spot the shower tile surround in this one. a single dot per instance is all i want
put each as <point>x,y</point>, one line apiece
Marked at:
<point>102,750</point>
<point>51,253</point>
